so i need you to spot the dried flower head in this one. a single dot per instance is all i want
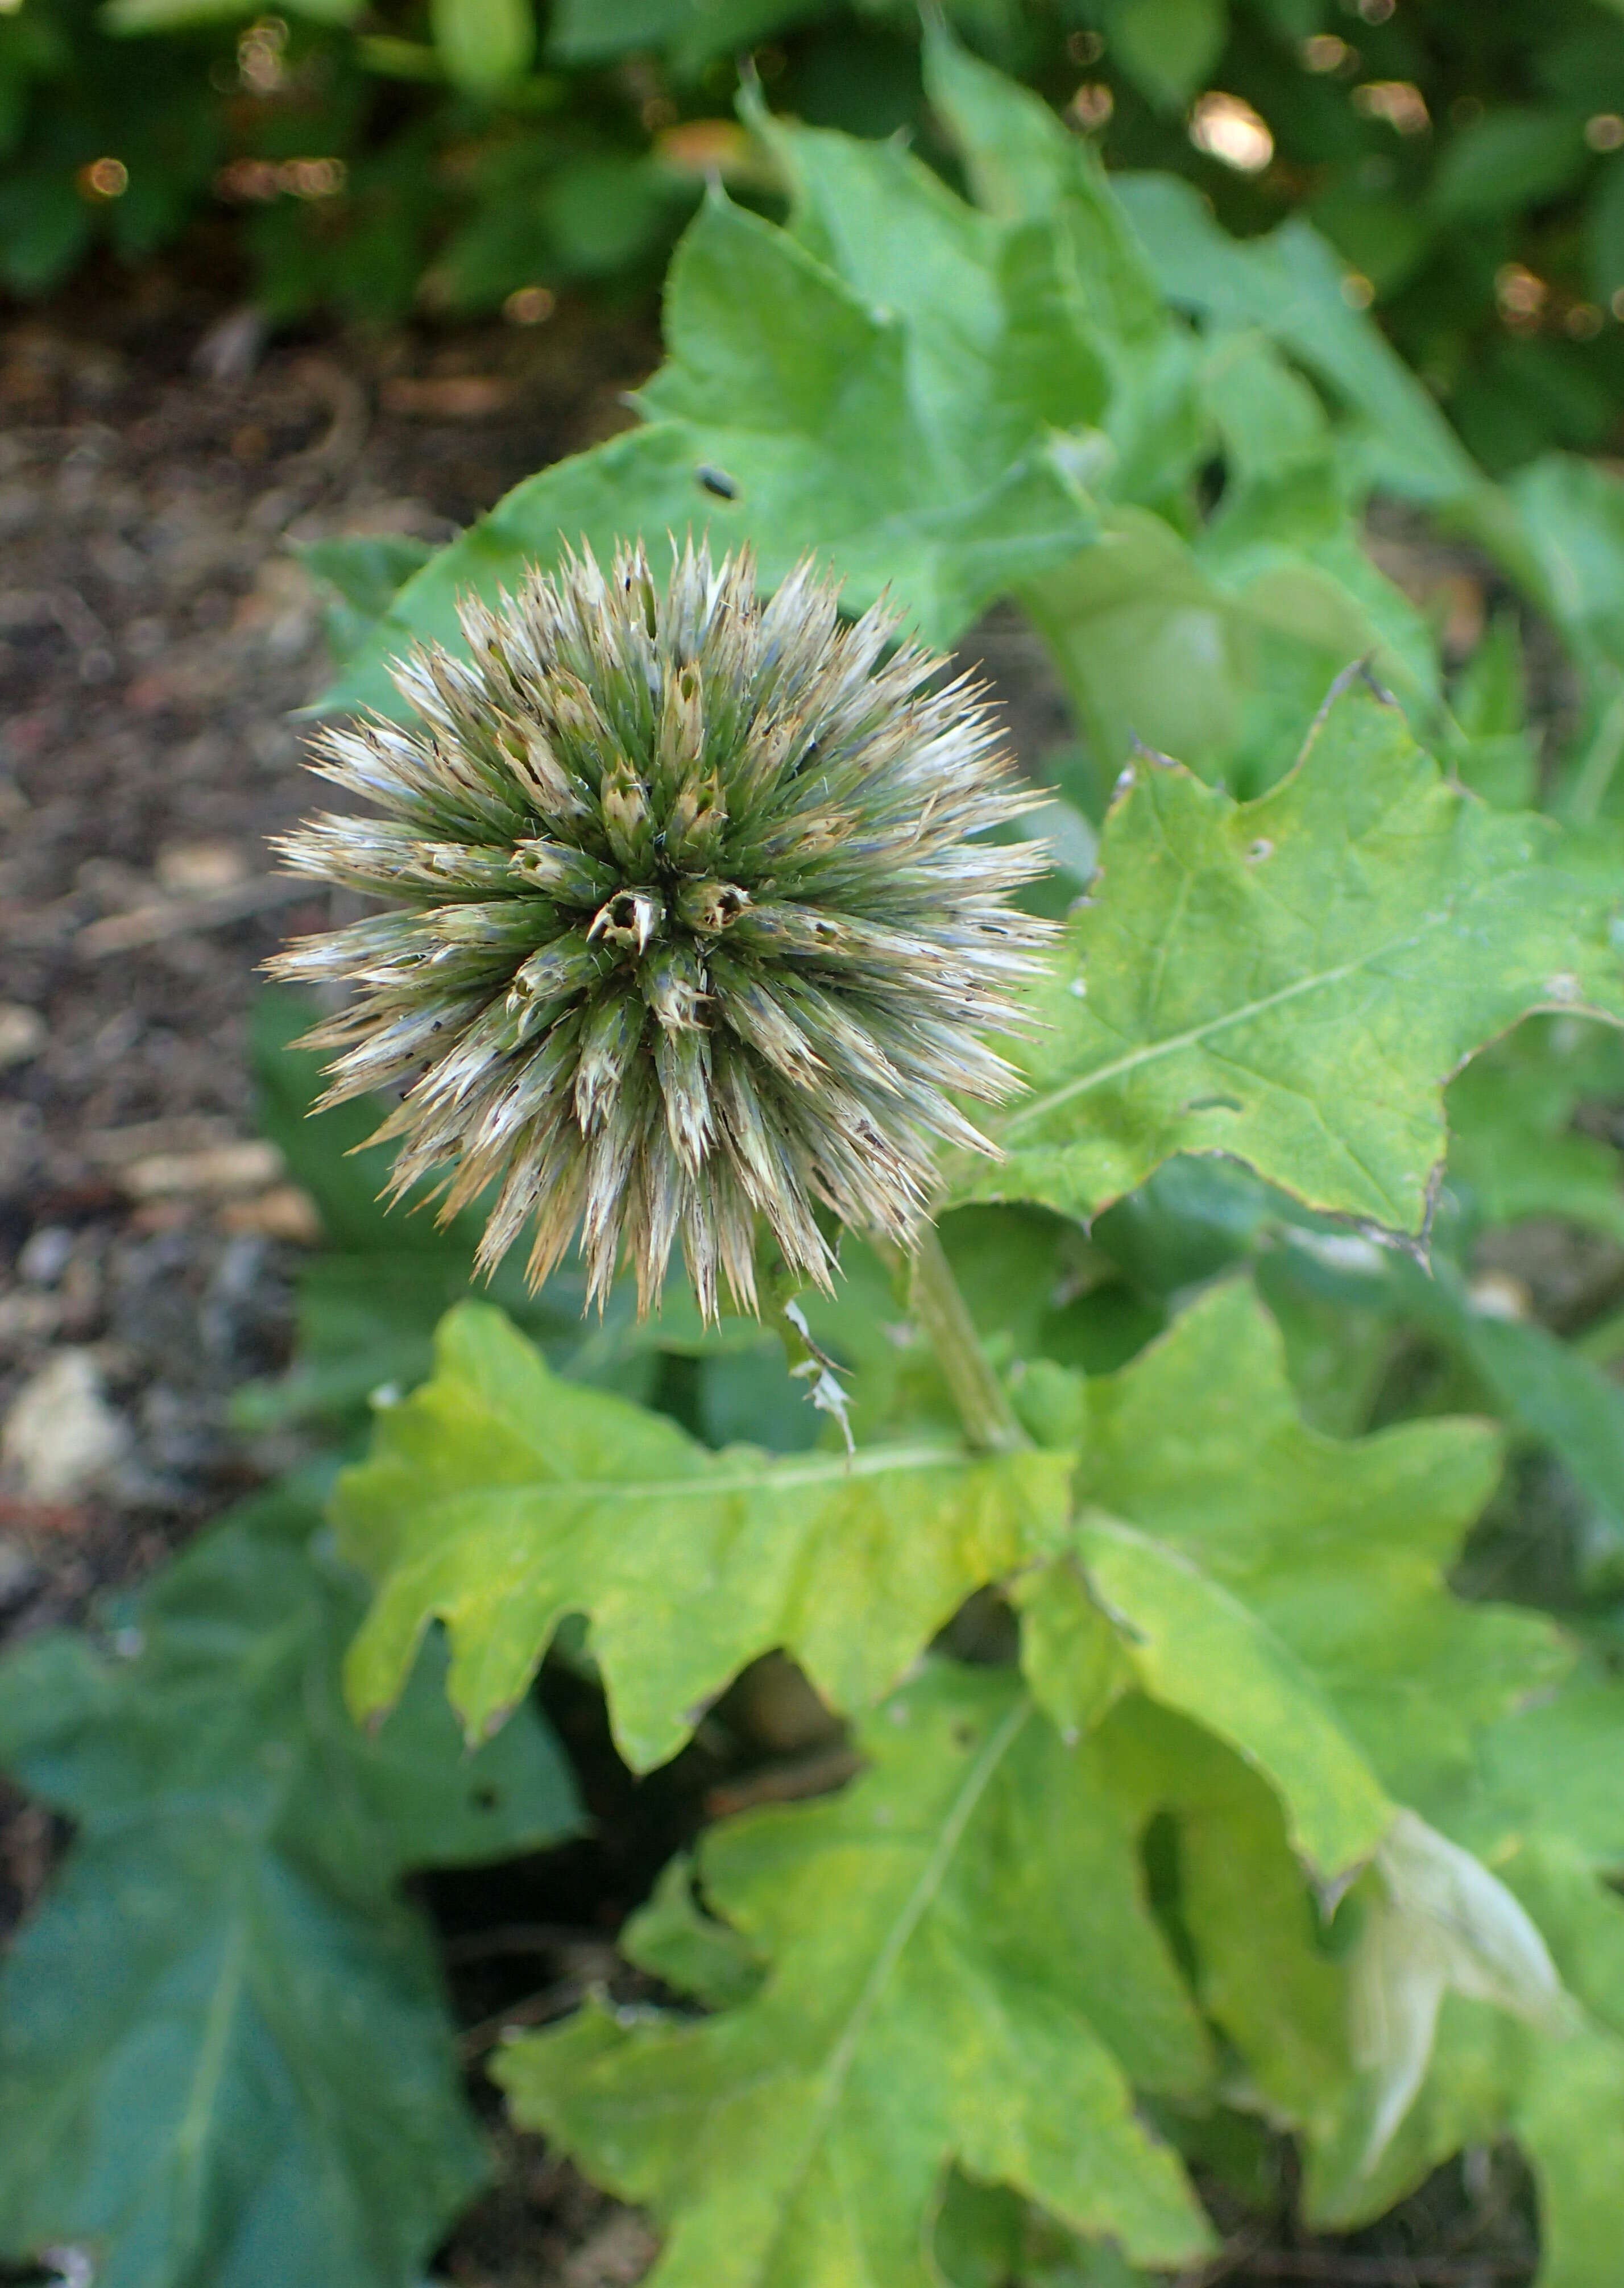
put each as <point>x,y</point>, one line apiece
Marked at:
<point>691,931</point>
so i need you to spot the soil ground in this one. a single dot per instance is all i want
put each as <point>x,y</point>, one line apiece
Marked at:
<point>158,463</point>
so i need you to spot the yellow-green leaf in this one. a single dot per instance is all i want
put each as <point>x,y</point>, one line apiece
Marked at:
<point>1196,1647</point>
<point>485,44</point>
<point>500,1497</point>
<point>1293,980</point>
<point>963,1970</point>
<point>1337,1548</point>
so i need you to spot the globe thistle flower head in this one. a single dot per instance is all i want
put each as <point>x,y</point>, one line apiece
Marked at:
<point>689,934</point>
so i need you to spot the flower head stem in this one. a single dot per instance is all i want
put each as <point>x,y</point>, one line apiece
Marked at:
<point>989,1420</point>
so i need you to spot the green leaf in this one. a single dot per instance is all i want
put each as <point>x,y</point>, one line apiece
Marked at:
<point>1490,695</point>
<point>1156,636</point>
<point>1277,1980</point>
<point>1293,980</point>
<point>1072,1651</point>
<point>1551,1769</point>
<point>1290,284</point>
<point>691,32</point>
<point>1274,1982</point>
<point>1489,2075</point>
<point>1499,759</point>
<point>676,1940</point>
<point>1573,512</point>
<point>129,16</point>
<point>1262,1971</point>
<point>1270,418</point>
<point>485,44</point>
<point>365,571</point>
<point>795,415</point>
<point>1606,231</point>
<point>1510,159</point>
<point>1287,1591</point>
<point>1513,1149</point>
<point>1546,1811</point>
<point>1571,517</point>
<point>1167,47</point>
<point>1199,1217</point>
<point>1142,638</point>
<point>1336,1548</point>
<point>1532,1792</point>
<point>1033,176</point>
<point>224,2057</point>
<point>963,1971</point>
<point>1568,2120</point>
<point>45,229</point>
<point>1195,1646</point>
<point>1023,166</point>
<point>500,1497</point>
<point>988,2238</point>
<point>1224,653</point>
<point>580,33</point>
<point>1341,1549</point>
<point>1283,544</point>
<point>610,214</point>
<point>928,393</point>
<point>977,299</point>
<point>1544,1387</point>
<point>1386,239</point>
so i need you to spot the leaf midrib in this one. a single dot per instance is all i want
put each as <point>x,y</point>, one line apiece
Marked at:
<point>776,1477</point>
<point>192,2132</point>
<point>1174,1044</point>
<point>831,2082</point>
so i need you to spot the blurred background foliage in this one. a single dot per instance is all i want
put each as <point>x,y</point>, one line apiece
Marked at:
<point>462,157</point>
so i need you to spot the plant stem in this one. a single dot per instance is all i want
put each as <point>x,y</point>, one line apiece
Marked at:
<point>988,1417</point>
<point>1594,775</point>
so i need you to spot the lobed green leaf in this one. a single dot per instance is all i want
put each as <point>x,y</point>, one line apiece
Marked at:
<point>1335,1549</point>
<point>1293,980</point>
<point>499,1498</point>
<point>962,1970</point>
<point>795,414</point>
<point>1290,285</point>
<point>1194,1647</point>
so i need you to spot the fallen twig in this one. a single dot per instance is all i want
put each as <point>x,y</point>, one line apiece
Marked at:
<point>346,402</point>
<point>532,1938</point>
<point>533,2010</point>
<point>167,917</point>
<point>447,397</point>
<point>246,1166</point>
<point>787,1781</point>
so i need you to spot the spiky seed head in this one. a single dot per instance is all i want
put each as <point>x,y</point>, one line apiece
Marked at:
<point>690,931</point>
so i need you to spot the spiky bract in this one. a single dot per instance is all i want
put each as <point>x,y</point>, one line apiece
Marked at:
<point>692,931</point>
